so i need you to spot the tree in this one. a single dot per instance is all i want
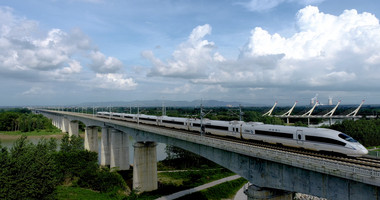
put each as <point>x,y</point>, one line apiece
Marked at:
<point>28,170</point>
<point>367,132</point>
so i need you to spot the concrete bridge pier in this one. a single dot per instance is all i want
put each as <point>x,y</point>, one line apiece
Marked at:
<point>73,128</point>
<point>65,125</point>
<point>53,120</point>
<point>57,121</point>
<point>91,138</point>
<point>105,147</point>
<point>119,150</point>
<point>257,193</point>
<point>145,166</point>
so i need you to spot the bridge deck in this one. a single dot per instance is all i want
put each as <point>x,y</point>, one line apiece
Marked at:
<point>363,174</point>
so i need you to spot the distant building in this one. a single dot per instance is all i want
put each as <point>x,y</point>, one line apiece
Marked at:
<point>330,102</point>
<point>312,102</point>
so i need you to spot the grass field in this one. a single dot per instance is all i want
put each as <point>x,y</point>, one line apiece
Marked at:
<point>225,190</point>
<point>77,193</point>
<point>171,182</point>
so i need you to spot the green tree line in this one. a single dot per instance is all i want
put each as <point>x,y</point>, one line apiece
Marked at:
<point>367,132</point>
<point>33,171</point>
<point>23,120</point>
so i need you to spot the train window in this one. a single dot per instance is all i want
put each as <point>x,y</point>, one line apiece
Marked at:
<point>196,125</point>
<point>346,137</point>
<point>147,119</point>
<point>275,134</point>
<point>172,122</point>
<point>324,140</point>
<point>299,137</point>
<point>224,128</point>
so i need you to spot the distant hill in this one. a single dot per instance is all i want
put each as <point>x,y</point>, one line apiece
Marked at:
<point>168,103</point>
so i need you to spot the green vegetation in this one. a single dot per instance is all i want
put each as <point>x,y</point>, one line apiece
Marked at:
<point>24,121</point>
<point>28,171</point>
<point>221,191</point>
<point>367,132</point>
<point>202,171</point>
<point>190,179</point>
<point>77,193</point>
<point>171,182</point>
<point>33,133</point>
<point>33,171</point>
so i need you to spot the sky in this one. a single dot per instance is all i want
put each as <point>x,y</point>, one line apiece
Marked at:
<point>65,52</point>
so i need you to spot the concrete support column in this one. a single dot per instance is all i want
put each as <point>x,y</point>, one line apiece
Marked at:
<point>65,125</point>
<point>145,166</point>
<point>256,193</point>
<point>119,150</point>
<point>58,121</point>
<point>91,138</point>
<point>73,128</point>
<point>55,122</point>
<point>105,147</point>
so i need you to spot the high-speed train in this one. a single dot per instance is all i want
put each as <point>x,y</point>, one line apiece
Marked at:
<point>316,139</point>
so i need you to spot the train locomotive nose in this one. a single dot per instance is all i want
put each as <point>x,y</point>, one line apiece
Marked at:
<point>362,149</point>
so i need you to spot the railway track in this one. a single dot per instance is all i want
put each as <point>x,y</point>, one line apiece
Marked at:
<point>361,161</point>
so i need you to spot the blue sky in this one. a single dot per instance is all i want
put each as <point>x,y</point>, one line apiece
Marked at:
<point>56,52</point>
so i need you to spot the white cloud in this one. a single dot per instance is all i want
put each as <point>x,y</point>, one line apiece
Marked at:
<point>33,91</point>
<point>184,89</point>
<point>193,58</point>
<point>74,67</point>
<point>26,51</point>
<point>114,82</point>
<point>102,64</point>
<point>330,52</point>
<point>265,5</point>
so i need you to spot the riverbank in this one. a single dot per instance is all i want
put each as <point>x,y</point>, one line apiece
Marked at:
<point>31,133</point>
<point>15,136</point>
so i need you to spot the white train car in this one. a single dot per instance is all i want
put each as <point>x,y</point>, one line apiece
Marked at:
<point>316,139</point>
<point>173,122</point>
<point>146,119</point>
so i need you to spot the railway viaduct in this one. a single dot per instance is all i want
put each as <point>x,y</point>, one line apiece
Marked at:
<point>274,174</point>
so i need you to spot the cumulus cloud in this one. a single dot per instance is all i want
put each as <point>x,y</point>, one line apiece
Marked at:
<point>193,58</point>
<point>114,82</point>
<point>53,56</point>
<point>20,50</point>
<point>327,52</point>
<point>265,5</point>
<point>102,64</point>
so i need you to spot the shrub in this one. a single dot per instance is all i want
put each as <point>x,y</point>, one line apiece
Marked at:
<point>28,171</point>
